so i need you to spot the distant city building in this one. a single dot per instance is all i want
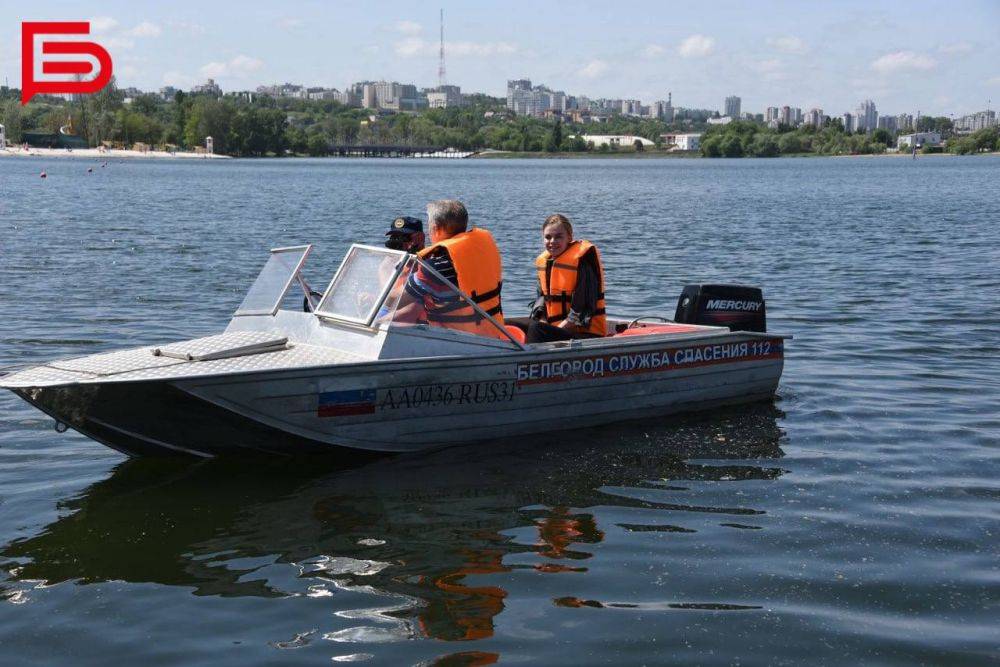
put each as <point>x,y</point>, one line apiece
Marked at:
<point>725,120</point>
<point>904,121</point>
<point>976,121</point>
<point>848,120</point>
<point>615,140</point>
<point>733,106</point>
<point>390,96</point>
<point>786,117</point>
<point>683,141</point>
<point>319,93</point>
<point>772,113</point>
<point>168,93</point>
<point>663,110</point>
<point>887,123</point>
<point>209,88</point>
<point>444,97</point>
<point>919,139</point>
<point>631,108</point>
<point>814,117</point>
<point>866,117</point>
<point>348,97</point>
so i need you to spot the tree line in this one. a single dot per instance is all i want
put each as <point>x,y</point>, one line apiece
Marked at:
<point>259,125</point>
<point>750,139</point>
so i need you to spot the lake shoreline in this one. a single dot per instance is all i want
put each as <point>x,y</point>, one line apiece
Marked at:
<point>102,154</point>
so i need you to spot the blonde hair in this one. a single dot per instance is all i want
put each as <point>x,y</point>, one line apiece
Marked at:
<point>558,219</point>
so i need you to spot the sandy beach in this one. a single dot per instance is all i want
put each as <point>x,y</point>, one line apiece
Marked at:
<point>105,154</point>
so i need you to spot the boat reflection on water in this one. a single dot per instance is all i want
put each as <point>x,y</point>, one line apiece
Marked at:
<point>427,532</point>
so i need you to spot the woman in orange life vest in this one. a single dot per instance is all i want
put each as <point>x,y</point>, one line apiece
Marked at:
<point>570,301</point>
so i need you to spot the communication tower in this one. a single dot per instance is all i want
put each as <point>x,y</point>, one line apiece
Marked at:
<point>441,76</point>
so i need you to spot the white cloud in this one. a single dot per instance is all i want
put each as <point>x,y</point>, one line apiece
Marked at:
<point>480,49</point>
<point>414,46</point>
<point>901,61</point>
<point>290,23</point>
<point>956,48</point>
<point>113,44</point>
<point>408,27</point>
<point>787,44</point>
<point>241,65</point>
<point>145,29</point>
<point>410,46</point>
<point>653,50</point>
<point>593,69</point>
<point>186,27</point>
<point>696,46</point>
<point>178,80</point>
<point>101,24</point>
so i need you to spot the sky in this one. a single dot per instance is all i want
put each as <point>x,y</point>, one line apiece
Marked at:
<point>932,57</point>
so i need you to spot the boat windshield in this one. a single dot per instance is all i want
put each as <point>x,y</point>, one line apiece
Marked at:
<point>423,296</point>
<point>361,284</point>
<point>273,281</point>
<point>381,287</point>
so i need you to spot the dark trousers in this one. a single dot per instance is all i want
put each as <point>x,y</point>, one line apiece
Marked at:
<point>543,332</point>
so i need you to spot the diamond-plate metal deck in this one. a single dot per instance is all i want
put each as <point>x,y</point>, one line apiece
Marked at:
<point>140,364</point>
<point>111,363</point>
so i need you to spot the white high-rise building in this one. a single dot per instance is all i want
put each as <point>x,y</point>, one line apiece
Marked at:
<point>814,117</point>
<point>867,116</point>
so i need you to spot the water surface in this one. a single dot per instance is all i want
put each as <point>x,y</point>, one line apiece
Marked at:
<point>855,519</point>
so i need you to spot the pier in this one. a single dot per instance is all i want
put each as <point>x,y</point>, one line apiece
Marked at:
<point>389,150</point>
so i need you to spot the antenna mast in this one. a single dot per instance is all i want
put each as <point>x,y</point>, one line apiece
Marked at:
<point>441,77</point>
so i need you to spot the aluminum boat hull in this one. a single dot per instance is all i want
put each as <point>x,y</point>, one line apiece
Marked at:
<point>401,405</point>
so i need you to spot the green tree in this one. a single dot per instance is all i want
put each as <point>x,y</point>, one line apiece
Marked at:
<point>555,137</point>
<point>789,143</point>
<point>209,117</point>
<point>318,145</point>
<point>712,146</point>
<point>732,146</point>
<point>882,136</point>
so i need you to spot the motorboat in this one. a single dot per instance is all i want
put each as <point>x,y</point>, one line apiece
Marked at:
<point>353,370</point>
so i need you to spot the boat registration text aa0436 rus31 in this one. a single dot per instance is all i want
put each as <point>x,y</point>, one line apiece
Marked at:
<point>654,361</point>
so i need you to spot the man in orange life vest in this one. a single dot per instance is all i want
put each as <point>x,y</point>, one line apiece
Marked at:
<point>570,301</point>
<point>467,258</point>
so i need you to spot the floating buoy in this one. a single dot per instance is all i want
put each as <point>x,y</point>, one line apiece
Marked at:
<point>90,170</point>
<point>43,175</point>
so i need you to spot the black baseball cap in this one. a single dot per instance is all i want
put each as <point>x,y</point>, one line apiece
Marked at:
<point>406,225</point>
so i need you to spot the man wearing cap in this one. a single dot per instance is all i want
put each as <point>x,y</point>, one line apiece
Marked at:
<point>405,233</point>
<point>464,256</point>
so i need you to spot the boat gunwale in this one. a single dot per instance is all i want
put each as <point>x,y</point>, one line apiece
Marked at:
<point>530,352</point>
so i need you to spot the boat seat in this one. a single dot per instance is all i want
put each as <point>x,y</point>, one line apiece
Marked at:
<point>517,333</point>
<point>650,329</point>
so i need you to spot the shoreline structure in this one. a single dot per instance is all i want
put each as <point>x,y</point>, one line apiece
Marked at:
<point>99,154</point>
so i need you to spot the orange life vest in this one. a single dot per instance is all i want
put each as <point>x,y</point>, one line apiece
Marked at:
<point>476,259</point>
<point>560,283</point>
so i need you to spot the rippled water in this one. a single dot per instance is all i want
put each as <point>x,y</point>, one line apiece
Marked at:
<point>855,520</point>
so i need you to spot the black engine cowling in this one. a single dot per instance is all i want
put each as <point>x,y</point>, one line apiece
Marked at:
<point>735,306</point>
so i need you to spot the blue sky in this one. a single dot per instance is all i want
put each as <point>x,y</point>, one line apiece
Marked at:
<point>938,58</point>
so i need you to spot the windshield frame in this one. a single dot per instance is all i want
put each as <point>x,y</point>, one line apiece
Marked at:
<point>296,274</point>
<point>365,321</point>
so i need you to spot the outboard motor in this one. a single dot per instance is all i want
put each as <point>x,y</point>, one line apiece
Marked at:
<point>735,306</point>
